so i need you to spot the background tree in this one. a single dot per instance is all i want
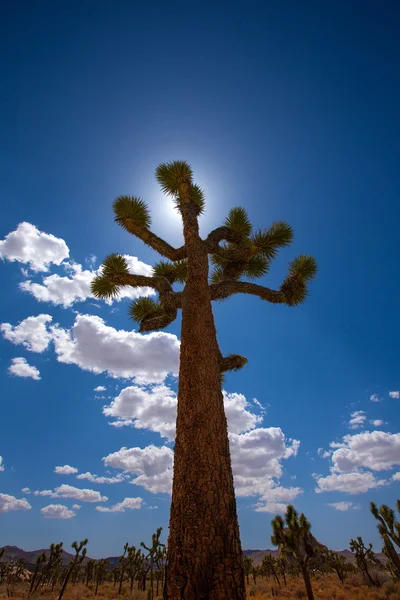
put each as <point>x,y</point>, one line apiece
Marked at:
<point>123,565</point>
<point>41,559</point>
<point>295,539</point>
<point>389,529</point>
<point>204,551</point>
<point>100,573</point>
<point>76,561</point>
<point>153,554</point>
<point>337,563</point>
<point>365,558</point>
<point>247,566</point>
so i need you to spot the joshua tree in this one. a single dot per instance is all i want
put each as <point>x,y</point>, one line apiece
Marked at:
<point>153,553</point>
<point>247,566</point>
<point>204,551</point>
<point>270,568</point>
<point>295,539</point>
<point>123,565</point>
<point>338,563</point>
<point>100,572</point>
<point>75,563</point>
<point>54,565</point>
<point>389,529</point>
<point>41,559</point>
<point>365,557</point>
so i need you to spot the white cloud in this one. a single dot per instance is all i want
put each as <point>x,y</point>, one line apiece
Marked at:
<point>96,347</point>
<point>97,479</point>
<point>396,477</point>
<point>76,506</point>
<point>65,291</point>
<point>26,490</point>
<point>30,246</point>
<point>127,504</point>
<point>272,507</point>
<point>377,422</point>
<point>57,511</point>
<point>375,450</point>
<point>69,491</point>
<point>9,503</point>
<point>375,398</point>
<point>100,388</point>
<point>358,419</point>
<point>352,483</point>
<point>395,395</point>
<point>151,465</point>
<point>20,368</point>
<point>1,464</point>
<point>32,333</point>
<point>344,506</point>
<point>65,470</point>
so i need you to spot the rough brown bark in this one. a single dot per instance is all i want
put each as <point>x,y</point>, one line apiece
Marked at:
<point>307,582</point>
<point>204,550</point>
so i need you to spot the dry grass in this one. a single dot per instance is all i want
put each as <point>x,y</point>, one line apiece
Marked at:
<point>327,587</point>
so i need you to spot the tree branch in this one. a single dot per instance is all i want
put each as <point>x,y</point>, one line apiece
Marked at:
<point>218,235</point>
<point>152,240</point>
<point>233,362</point>
<point>224,289</point>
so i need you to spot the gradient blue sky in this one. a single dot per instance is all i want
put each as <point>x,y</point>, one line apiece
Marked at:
<point>290,109</point>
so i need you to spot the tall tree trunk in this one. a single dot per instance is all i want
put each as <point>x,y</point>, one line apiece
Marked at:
<point>307,582</point>
<point>204,550</point>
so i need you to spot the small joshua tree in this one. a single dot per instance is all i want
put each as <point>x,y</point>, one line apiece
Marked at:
<point>295,540</point>
<point>123,565</point>
<point>204,551</point>
<point>389,529</point>
<point>247,566</point>
<point>80,553</point>
<point>365,558</point>
<point>100,572</point>
<point>41,559</point>
<point>153,552</point>
<point>338,563</point>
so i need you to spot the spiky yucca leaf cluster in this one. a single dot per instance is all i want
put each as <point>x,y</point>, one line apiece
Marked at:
<point>131,210</point>
<point>251,257</point>
<point>105,285</point>
<point>144,308</point>
<point>174,272</point>
<point>293,537</point>
<point>301,270</point>
<point>175,179</point>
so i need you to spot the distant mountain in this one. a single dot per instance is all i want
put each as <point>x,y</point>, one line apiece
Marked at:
<point>30,556</point>
<point>15,553</point>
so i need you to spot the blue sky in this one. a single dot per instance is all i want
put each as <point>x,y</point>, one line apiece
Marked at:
<point>289,110</point>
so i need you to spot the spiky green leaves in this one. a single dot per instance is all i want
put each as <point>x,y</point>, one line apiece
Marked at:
<point>172,175</point>
<point>268,242</point>
<point>105,285</point>
<point>301,270</point>
<point>239,222</point>
<point>174,272</point>
<point>176,180</point>
<point>256,266</point>
<point>130,210</point>
<point>144,308</point>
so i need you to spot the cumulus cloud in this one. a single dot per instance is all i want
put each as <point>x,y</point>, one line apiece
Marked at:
<point>30,246</point>
<point>57,511</point>
<point>9,503</point>
<point>151,465</point>
<point>75,287</point>
<point>65,470</point>
<point>69,491</point>
<point>344,506</point>
<point>98,479</point>
<point>395,395</point>
<point>32,333</point>
<point>26,490</point>
<point>1,464</point>
<point>127,504</point>
<point>352,483</point>
<point>377,422</point>
<point>21,368</point>
<point>76,506</point>
<point>357,420</point>
<point>396,477</point>
<point>375,450</point>
<point>100,388</point>
<point>94,346</point>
